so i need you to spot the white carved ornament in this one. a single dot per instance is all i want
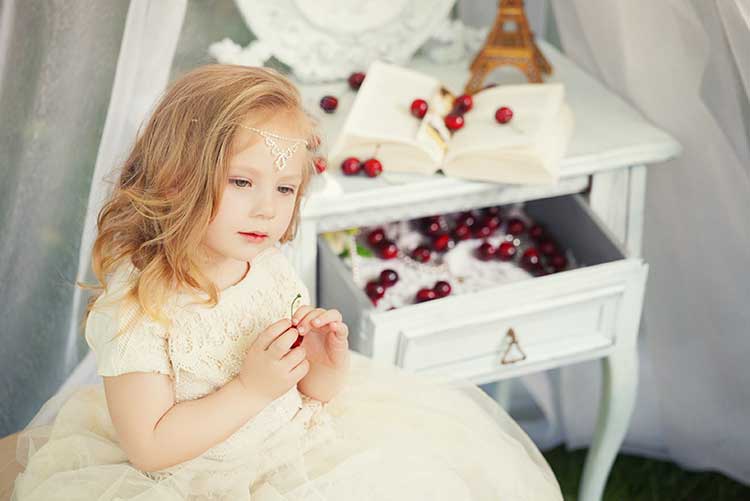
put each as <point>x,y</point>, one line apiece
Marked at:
<point>326,40</point>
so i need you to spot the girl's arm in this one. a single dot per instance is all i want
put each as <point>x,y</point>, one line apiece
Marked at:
<point>156,433</point>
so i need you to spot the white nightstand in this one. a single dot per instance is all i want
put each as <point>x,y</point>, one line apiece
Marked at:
<point>581,314</point>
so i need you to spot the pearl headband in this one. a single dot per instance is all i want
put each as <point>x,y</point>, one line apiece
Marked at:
<point>282,155</point>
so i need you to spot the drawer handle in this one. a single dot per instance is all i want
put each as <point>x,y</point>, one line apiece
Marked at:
<point>507,357</point>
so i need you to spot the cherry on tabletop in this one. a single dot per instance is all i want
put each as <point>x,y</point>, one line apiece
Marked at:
<point>503,115</point>
<point>329,104</point>
<point>442,242</point>
<point>355,80</point>
<point>463,103</point>
<point>320,165</point>
<point>419,108</point>
<point>506,251</point>
<point>516,226</point>
<point>426,295</point>
<point>486,251</point>
<point>421,253</point>
<point>373,167</point>
<point>388,277</point>
<point>442,288</point>
<point>388,249</point>
<point>548,247</point>
<point>462,232</point>
<point>351,166</point>
<point>374,289</point>
<point>376,237</point>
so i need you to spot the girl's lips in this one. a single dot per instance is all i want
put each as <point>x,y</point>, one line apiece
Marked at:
<point>253,236</point>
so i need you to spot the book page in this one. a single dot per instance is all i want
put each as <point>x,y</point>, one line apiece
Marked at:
<point>381,112</point>
<point>518,164</point>
<point>534,107</point>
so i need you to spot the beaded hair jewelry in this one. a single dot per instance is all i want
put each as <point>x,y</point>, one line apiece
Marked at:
<point>270,140</point>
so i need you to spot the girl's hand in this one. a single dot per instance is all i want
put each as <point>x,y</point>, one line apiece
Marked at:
<point>325,336</point>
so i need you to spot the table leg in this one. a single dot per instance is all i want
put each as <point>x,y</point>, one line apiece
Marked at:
<point>620,381</point>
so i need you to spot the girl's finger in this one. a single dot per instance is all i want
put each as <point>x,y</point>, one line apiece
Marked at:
<point>306,322</point>
<point>327,317</point>
<point>299,315</point>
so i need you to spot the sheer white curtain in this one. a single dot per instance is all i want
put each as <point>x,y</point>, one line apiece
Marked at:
<point>686,66</point>
<point>57,61</point>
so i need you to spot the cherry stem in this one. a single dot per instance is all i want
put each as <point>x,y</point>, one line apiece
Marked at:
<point>377,148</point>
<point>293,301</point>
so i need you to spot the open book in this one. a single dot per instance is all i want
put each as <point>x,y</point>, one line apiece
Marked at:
<point>528,149</point>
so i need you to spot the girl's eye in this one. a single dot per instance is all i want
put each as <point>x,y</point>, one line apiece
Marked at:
<point>240,183</point>
<point>289,188</point>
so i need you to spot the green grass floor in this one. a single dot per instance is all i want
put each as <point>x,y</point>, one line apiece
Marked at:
<point>641,479</point>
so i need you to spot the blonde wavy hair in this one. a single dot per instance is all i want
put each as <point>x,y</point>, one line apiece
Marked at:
<point>170,186</point>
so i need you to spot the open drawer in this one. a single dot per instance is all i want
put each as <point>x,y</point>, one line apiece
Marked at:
<point>507,329</point>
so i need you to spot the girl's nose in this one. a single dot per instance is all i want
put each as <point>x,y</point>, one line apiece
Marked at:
<point>264,206</point>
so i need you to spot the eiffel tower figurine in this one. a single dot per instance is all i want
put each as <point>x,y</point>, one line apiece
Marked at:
<point>510,41</point>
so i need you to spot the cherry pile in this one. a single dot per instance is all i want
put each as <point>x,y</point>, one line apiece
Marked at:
<point>522,242</point>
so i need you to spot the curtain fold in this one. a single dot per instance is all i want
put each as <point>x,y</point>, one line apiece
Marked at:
<point>684,65</point>
<point>56,67</point>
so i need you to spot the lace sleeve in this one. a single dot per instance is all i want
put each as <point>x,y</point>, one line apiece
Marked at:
<point>141,347</point>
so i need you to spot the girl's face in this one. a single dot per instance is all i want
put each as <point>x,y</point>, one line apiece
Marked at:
<point>257,198</point>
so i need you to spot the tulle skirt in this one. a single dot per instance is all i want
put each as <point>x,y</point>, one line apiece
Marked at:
<point>389,435</point>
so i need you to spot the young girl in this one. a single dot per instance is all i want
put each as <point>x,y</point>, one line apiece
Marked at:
<point>206,394</point>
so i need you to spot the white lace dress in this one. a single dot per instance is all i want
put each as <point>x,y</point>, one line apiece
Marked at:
<point>389,435</point>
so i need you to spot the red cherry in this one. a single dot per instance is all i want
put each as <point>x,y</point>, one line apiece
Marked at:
<point>442,243</point>
<point>329,104</point>
<point>536,232</point>
<point>433,228</point>
<point>493,211</point>
<point>376,237</point>
<point>503,114</point>
<point>426,295</point>
<point>421,254</point>
<point>548,247</point>
<point>351,166</point>
<point>506,251</point>
<point>374,289</point>
<point>320,165</point>
<point>530,259</point>
<point>467,218</point>
<point>355,80</point>
<point>483,231</point>
<point>454,121</point>
<point>463,103</point>
<point>388,249</point>
<point>462,232</point>
<point>388,277</point>
<point>373,167</point>
<point>486,251</point>
<point>558,262</point>
<point>516,226</point>
<point>493,222</point>
<point>297,342</point>
<point>442,288</point>
<point>419,108</point>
